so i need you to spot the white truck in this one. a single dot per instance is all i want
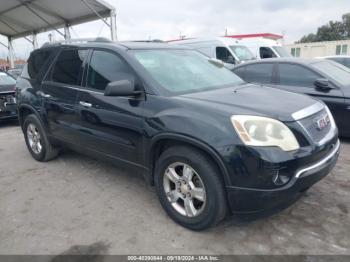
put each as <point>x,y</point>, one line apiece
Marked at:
<point>264,48</point>
<point>228,50</point>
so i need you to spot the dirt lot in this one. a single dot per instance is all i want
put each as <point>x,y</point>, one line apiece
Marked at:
<point>75,202</point>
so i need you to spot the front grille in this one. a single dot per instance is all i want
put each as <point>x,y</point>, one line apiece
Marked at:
<point>311,127</point>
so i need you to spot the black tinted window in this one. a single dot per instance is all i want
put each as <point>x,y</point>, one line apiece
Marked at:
<point>106,67</point>
<point>35,63</point>
<point>259,73</point>
<point>266,52</point>
<point>347,62</point>
<point>296,75</point>
<point>240,72</point>
<point>223,54</point>
<point>68,67</point>
<point>338,60</point>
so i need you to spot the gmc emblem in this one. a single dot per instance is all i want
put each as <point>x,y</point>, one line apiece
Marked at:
<point>323,122</point>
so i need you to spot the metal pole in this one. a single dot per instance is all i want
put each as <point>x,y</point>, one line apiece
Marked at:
<point>35,41</point>
<point>113,25</point>
<point>11,53</point>
<point>67,33</point>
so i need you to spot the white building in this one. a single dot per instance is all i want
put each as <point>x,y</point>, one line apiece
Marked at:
<point>315,49</point>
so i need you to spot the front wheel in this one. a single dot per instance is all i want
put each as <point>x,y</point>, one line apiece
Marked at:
<point>190,188</point>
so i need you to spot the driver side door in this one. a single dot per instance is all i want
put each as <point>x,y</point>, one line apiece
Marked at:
<point>110,125</point>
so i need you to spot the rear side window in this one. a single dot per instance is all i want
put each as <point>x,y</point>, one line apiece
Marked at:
<point>69,67</point>
<point>259,73</point>
<point>296,75</point>
<point>106,67</point>
<point>35,63</point>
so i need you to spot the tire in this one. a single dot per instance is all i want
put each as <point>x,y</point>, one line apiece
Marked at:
<point>32,125</point>
<point>202,214</point>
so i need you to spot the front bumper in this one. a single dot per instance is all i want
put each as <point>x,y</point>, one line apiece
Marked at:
<point>8,112</point>
<point>249,200</point>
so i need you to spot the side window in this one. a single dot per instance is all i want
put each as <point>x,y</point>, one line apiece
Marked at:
<point>106,67</point>
<point>259,73</point>
<point>347,62</point>
<point>266,52</point>
<point>223,54</point>
<point>296,75</point>
<point>68,67</point>
<point>35,63</point>
<point>338,60</point>
<point>240,72</point>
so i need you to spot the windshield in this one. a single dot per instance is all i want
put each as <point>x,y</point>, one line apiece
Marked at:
<point>337,72</point>
<point>185,71</point>
<point>242,52</point>
<point>281,51</point>
<point>5,79</point>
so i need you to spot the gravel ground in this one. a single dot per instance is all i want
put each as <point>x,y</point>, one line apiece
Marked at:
<point>76,203</point>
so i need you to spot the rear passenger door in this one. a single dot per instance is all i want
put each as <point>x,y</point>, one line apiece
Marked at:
<point>109,124</point>
<point>59,92</point>
<point>300,79</point>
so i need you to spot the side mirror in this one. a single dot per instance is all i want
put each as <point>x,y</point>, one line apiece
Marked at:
<point>121,88</point>
<point>216,62</point>
<point>322,84</point>
<point>230,60</point>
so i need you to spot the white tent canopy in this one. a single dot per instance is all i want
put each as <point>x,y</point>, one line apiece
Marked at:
<point>22,18</point>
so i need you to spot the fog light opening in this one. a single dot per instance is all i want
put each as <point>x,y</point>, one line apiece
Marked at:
<point>280,180</point>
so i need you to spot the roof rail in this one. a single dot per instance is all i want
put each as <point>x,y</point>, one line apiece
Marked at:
<point>149,41</point>
<point>77,41</point>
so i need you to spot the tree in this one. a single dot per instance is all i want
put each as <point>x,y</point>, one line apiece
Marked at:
<point>346,22</point>
<point>334,30</point>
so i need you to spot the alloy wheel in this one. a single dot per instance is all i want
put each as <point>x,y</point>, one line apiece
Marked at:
<point>184,189</point>
<point>34,139</point>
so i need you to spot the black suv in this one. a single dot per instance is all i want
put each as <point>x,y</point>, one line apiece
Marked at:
<point>210,143</point>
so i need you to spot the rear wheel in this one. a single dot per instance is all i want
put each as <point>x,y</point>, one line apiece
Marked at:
<point>36,139</point>
<point>190,188</point>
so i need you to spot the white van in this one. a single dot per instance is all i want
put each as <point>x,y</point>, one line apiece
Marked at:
<point>225,49</point>
<point>265,48</point>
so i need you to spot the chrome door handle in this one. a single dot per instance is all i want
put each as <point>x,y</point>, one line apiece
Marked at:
<point>85,104</point>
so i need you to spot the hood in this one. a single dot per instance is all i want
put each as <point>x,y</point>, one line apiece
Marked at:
<point>253,99</point>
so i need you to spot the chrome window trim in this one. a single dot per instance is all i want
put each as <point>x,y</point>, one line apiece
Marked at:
<point>308,111</point>
<point>320,163</point>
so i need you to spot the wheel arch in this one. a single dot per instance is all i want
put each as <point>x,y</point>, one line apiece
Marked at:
<point>25,110</point>
<point>161,142</point>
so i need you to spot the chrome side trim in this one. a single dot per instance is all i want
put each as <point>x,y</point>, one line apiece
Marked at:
<point>307,111</point>
<point>320,163</point>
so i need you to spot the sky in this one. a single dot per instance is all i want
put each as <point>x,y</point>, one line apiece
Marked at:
<point>157,19</point>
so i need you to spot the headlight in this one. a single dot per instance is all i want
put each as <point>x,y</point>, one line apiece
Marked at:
<point>263,131</point>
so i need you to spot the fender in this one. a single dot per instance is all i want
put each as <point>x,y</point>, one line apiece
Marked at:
<point>189,140</point>
<point>34,111</point>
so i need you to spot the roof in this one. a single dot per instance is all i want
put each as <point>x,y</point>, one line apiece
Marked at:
<point>225,40</point>
<point>334,56</point>
<point>264,35</point>
<point>127,45</point>
<point>23,17</point>
<point>305,61</point>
